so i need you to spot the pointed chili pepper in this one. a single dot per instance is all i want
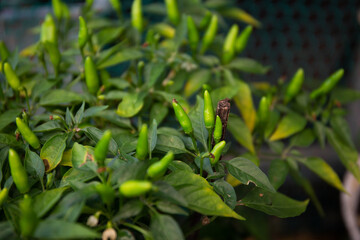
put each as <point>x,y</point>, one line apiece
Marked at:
<point>135,188</point>
<point>209,34</point>
<point>229,44</point>
<point>106,193</point>
<point>83,35</point>
<point>264,111</point>
<point>28,219</point>
<point>27,134</point>
<point>242,40</point>
<point>116,4</point>
<point>328,84</point>
<point>216,152</point>
<point>91,76</point>
<point>48,30</point>
<point>217,130</point>
<point>142,147</point>
<point>4,51</point>
<point>158,169</point>
<point>102,148</point>
<point>18,172</point>
<point>294,86</point>
<point>137,15</point>
<point>193,34</point>
<point>3,196</point>
<point>182,117</point>
<point>11,77</point>
<point>209,115</point>
<point>172,11</point>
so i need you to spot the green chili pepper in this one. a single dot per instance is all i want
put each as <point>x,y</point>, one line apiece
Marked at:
<point>216,152</point>
<point>27,134</point>
<point>217,130</point>
<point>18,172</point>
<point>294,86</point>
<point>48,30</point>
<point>182,117</point>
<point>205,20</point>
<point>210,33</point>
<point>83,35</point>
<point>172,11</point>
<point>193,34</point>
<point>91,76</point>
<point>136,15</point>
<point>106,193</point>
<point>11,77</point>
<point>328,84</point>
<point>242,40</point>
<point>4,51</point>
<point>264,111</point>
<point>102,147</point>
<point>142,147</point>
<point>116,4</point>
<point>3,195</point>
<point>229,44</point>
<point>209,115</point>
<point>28,219</point>
<point>158,169</point>
<point>57,8</point>
<point>65,11</point>
<point>135,188</point>
<point>54,55</point>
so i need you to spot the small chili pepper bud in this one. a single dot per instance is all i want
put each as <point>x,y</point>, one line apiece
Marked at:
<point>48,30</point>
<point>209,115</point>
<point>137,15</point>
<point>328,84</point>
<point>242,40</point>
<point>11,77</point>
<point>264,111</point>
<point>18,172</point>
<point>158,169</point>
<point>28,219</point>
<point>135,188</point>
<point>216,151</point>
<point>3,196</point>
<point>27,134</point>
<point>229,44</point>
<point>182,117</point>
<point>193,34</point>
<point>4,51</point>
<point>83,35</point>
<point>91,76</point>
<point>172,11</point>
<point>102,147</point>
<point>209,34</point>
<point>106,193</point>
<point>142,147</point>
<point>217,130</point>
<point>294,86</point>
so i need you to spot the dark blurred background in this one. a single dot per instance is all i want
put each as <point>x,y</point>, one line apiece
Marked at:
<point>319,36</point>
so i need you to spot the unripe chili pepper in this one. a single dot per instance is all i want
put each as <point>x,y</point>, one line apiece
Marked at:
<point>158,169</point>
<point>229,44</point>
<point>172,11</point>
<point>135,188</point>
<point>106,193</point>
<point>27,134</point>
<point>242,40</point>
<point>294,86</point>
<point>142,147</point>
<point>65,11</point>
<point>328,84</point>
<point>91,76</point>
<point>205,20</point>
<point>116,4</point>
<point>11,77</point>
<point>54,54</point>
<point>216,152</point>
<point>18,172</point>
<point>57,8</point>
<point>4,51</point>
<point>217,130</point>
<point>209,115</point>
<point>264,111</point>
<point>48,30</point>
<point>102,147</point>
<point>3,195</point>
<point>210,33</point>
<point>182,117</point>
<point>192,33</point>
<point>83,35</point>
<point>136,15</point>
<point>28,219</point>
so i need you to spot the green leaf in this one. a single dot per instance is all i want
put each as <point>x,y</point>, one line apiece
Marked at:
<point>272,122</point>
<point>249,66</point>
<point>179,166</point>
<point>170,208</point>
<point>346,153</point>
<point>320,132</point>
<point>345,95</point>
<point>153,71</point>
<point>74,175</point>
<point>48,126</point>
<point>152,135</point>
<point>180,33</point>
<point>79,114</point>
<point>341,128</point>
<point>131,104</point>
<point>46,200</point>
<point>196,116</point>
<point>158,112</point>
<point>129,209</point>
<point>168,193</point>
<point>275,204</point>
<point>121,56</point>
<point>304,139</point>
<point>34,165</point>
<point>60,229</point>
<point>246,171</point>
<point>240,132</point>
<point>199,194</point>
<point>196,80</point>
<point>52,151</point>
<point>122,173</point>
<point>222,93</point>
<point>82,157</point>
<point>241,15</point>
<point>8,117</point>
<point>95,134</point>
<point>226,191</point>
<point>166,143</point>
<point>165,227</point>
<point>288,125</point>
<point>112,117</point>
<point>323,170</point>
<point>115,95</point>
<point>244,103</point>
<point>92,111</point>
<point>69,208</point>
<point>60,97</point>
<point>119,83</point>
<point>278,172</point>
<point>10,140</point>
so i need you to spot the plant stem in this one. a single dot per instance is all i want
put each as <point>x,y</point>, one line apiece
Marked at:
<point>194,143</point>
<point>210,130</point>
<point>201,166</point>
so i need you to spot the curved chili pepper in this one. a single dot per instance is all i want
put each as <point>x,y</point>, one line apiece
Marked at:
<point>172,11</point>
<point>83,35</point>
<point>91,76</point>
<point>209,115</point>
<point>229,44</point>
<point>11,77</point>
<point>135,188</point>
<point>193,34</point>
<point>217,130</point>
<point>182,117</point>
<point>27,134</point>
<point>158,169</point>
<point>142,147</point>
<point>328,84</point>
<point>216,152</point>
<point>210,33</point>
<point>242,40</point>
<point>18,172</point>
<point>136,15</point>
<point>294,86</point>
<point>102,147</point>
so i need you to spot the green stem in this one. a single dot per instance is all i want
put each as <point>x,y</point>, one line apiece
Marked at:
<point>210,130</point>
<point>27,100</point>
<point>139,229</point>
<point>199,225</point>
<point>194,143</point>
<point>201,166</point>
